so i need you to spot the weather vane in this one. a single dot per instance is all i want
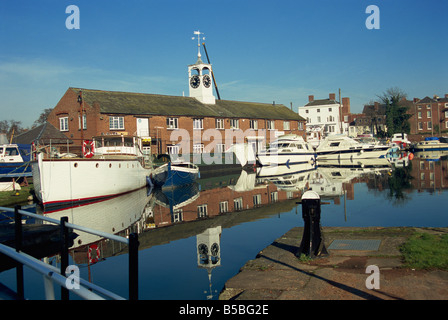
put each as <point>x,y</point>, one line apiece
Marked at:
<point>198,36</point>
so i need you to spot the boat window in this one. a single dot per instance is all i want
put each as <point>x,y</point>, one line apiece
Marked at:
<point>334,144</point>
<point>11,152</point>
<point>1,150</point>
<point>283,145</point>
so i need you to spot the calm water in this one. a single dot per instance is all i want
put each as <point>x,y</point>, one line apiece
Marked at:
<point>233,214</point>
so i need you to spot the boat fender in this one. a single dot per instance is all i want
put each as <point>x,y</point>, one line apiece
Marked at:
<point>97,251</point>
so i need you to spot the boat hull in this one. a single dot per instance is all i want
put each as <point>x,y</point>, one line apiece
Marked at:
<point>62,182</point>
<point>350,154</point>
<point>431,147</point>
<point>13,170</point>
<point>172,176</point>
<point>272,159</point>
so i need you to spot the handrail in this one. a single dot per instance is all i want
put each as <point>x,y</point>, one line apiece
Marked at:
<point>22,258</point>
<point>70,225</point>
<point>46,270</point>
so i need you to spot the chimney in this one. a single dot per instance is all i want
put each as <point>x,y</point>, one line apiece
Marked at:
<point>332,96</point>
<point>310,98</point>
<point>345,106</point>
<point>417,99</point>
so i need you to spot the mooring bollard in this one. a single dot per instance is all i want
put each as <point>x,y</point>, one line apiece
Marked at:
<point>312,244</point>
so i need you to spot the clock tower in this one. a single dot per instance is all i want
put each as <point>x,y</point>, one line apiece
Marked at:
<point>200,78</point>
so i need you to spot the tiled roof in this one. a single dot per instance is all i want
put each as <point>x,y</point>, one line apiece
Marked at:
<point>321,102</point>
<point>115,102</point>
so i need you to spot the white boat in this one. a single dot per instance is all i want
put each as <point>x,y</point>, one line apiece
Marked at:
<point>337,147</point>
<point>111,166</point>
<point>292,178</point>
<point>287,150</point>
<point>432,143</point>
<point>175,173</point>
<point>401,140</point>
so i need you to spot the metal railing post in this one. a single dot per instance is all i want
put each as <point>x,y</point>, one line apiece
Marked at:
<point>18,245</point>
<point>64,255</point>
<point>133,266</point>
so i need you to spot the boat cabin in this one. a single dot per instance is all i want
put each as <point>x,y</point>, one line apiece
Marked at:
<point>10,153</point>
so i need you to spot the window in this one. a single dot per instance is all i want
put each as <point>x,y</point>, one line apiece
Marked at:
<point>300,125</point>
<point>428,113</point>
<point>307,111</point>
<point>253,124</point>
<point>329,109</point>
<point>318,110</point>
<point>286,125</point>
<point>318,119</point>
<point>446,124</point>
<point>271,125</point>
<point>219,123</point>
<point>234,124</point>
<point>84,122</point>
<point>419,114</point>
<point>220,148</point>
<point>173,149</point>
<point>198,148</point>
<point>202,211</point>
<point>116,123</point>
<point>257,200</point>
<point>178,215</point>
<point>172,123</point>
<point>274,196</point>
<point>63,124</point>
<point>238,204</point>
<point>198,124</point>
<point>420,126</point>
<point>224,206</point>
<point>429,125</point>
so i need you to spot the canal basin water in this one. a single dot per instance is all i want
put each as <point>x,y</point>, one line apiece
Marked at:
<point>242,213</point>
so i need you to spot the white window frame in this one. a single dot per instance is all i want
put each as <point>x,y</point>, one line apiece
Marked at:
<point>172,123</point>
<point>63,124</point>
<point>198,148</point>
<point>274,196</point>
<point>116,123</point>
<point>219,123</point>
<point>198,123</point>
<point>172,149</point>
<point>202,211</point>
<point>224,206</point>
<point>270,124</point>
<point>234,124</point>
<point>178,215</point>
<point>257,199</point>
<point>238,204</point>
<point>84,121</point>
<point>253,124</point>
<point>220,148</point>
<point>286,125</point>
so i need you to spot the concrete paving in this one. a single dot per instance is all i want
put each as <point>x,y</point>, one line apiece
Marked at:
<point>277,274</point>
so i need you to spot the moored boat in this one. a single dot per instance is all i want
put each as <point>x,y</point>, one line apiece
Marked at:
<point>111,166</point>
<point>287,150</point>
<point>432,143</point>
<point>15,160</point>
<point>343,147</point>
<point>175,173</point>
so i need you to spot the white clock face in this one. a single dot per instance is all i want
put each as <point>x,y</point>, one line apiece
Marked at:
<point>195,81</point>
<point>207,81</point>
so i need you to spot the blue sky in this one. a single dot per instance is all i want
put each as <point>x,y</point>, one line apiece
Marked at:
<point>261,51</point>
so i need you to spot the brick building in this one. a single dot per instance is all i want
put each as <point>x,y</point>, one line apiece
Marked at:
<point>429,116</point>
<point>198,122</point>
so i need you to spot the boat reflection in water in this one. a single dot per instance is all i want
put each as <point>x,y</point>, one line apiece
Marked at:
<point>220,200</point>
